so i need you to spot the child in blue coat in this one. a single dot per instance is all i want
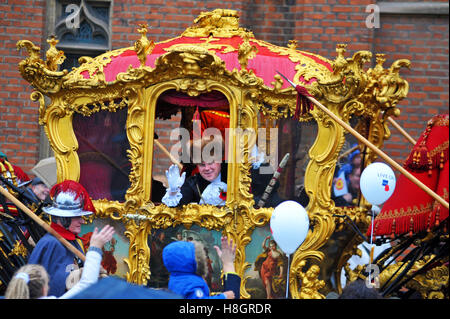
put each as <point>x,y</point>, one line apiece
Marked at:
<point>186,263</point>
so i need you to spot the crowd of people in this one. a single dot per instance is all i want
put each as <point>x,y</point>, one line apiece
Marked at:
<point>54,271</point>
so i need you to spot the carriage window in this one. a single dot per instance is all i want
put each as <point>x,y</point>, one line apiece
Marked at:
<point>102,146</point>
<point>277,138</point>
<point>190,133</point>
<point>350,162</point>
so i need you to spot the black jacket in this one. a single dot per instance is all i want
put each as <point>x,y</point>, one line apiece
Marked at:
<point>189,189</point>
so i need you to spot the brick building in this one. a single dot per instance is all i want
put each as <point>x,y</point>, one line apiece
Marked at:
<point>415,30</point>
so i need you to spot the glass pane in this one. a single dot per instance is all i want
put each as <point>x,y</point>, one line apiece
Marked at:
<point>345,188</point>
<point>277,138</point>
<point>104,166</point>
<point>181,123</point>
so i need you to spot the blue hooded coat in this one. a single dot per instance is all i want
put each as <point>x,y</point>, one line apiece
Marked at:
<point>179,259</point>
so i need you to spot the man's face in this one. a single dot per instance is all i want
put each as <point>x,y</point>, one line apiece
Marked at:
<point>209,171</point>
<point>75,225</point>
<point>40,190</point>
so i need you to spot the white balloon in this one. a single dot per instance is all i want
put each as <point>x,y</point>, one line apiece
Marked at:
<point>289,224</point>
<point>377,183</point>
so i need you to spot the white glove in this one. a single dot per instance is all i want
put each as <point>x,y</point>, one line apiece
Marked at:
<point>174,179</point>
<point>256,158</point>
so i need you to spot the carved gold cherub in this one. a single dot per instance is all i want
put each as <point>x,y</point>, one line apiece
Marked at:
<point>311,283</point>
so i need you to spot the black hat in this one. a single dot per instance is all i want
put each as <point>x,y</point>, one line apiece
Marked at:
<point>37,181</point>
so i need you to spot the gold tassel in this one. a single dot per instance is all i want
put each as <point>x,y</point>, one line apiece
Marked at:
<point>411,227</point>
<point>429,222</point>
<point>438,211</point>
<point>393,229</point>
<point>430,164</point>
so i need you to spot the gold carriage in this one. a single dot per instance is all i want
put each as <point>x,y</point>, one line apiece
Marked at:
<point>107,122</point>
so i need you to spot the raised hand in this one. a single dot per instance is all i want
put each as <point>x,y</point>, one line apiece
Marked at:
<point>100,238</point>
<point>174,179</point>
<point>227,254</point>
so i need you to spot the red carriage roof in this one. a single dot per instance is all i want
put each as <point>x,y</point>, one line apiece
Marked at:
<point>268,60</point>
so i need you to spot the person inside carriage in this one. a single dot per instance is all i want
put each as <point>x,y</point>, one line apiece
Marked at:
<point>204,180</point>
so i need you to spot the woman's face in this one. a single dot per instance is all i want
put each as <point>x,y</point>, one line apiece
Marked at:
<point>272,245</point>
<point>209,171</point>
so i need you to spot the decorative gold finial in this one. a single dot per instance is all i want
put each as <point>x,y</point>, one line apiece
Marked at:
<point>222,23</point>
<point>53,55</point>
<point>246,52</point>
<point>340,60</point>
<point>380,58</point>
<point>143,46</point>
<point>292,44</point>
<point>278,83</point>
<point>378,70</point>
<point>32,50</point>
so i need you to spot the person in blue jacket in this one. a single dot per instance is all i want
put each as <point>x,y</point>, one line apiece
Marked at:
<point>186,263</point>
<point>70,202</point>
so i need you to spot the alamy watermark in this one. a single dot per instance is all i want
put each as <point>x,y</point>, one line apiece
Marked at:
<point>209,146</point>
<point>373,19</point>
<point>73,19</point>
<point>373,277</point>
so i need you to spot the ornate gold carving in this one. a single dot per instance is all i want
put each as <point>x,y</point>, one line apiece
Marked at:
<point>143,46</point>
<point>19,249</point>
<point>208,44</point>
<point>222,23</point>
<point>93,67</point>
<point>139,252</point>
<point>310,283</point>
<point>37,72</point>
<point>32,50</point>
<point>306,67</point>
<point>431,284</point>
<point>246,52</point>
<point>54,56</point>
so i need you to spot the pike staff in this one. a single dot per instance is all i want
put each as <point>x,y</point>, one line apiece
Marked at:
<point>303,94</point>
<point>401,130</point>
<point>272,182</point>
